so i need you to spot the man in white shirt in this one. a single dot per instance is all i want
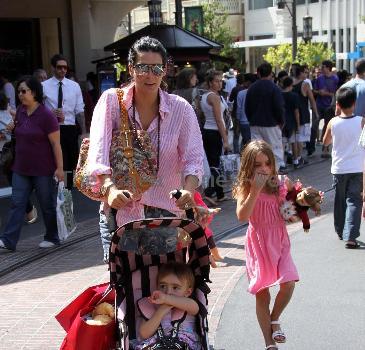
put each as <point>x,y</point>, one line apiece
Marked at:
<point>231,82</point>
<point>63,96</point>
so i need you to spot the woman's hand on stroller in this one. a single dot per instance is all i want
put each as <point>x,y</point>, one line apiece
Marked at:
<point>118,199</point>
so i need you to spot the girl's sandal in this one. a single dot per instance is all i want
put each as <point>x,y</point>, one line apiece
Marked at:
<point>278,336</point>
<point>271,347</point>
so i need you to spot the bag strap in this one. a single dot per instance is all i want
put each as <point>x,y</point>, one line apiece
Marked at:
<point>126,134</point>
<point>125,131</point>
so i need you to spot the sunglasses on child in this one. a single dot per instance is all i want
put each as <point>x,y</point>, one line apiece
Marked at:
<point>143,68</point>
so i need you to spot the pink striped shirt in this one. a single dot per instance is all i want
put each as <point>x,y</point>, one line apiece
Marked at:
<point>181,147</point>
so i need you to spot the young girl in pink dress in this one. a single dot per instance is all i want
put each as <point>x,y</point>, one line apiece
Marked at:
<point>268,259</point>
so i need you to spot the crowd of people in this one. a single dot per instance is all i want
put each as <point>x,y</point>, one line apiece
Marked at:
<point>272,120</point>
<point>44,118</point>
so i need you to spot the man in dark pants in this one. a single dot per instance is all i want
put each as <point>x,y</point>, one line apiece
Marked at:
<point>63,96</point>
<point>236,125</point>
<point>264,108</point>
<point>325,87</point>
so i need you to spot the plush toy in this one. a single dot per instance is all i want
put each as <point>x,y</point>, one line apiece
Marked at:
<point>102,315</point>
<point>287,210</point>
<point>304,198</point>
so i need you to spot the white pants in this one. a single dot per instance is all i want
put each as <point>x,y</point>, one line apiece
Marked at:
<point>273,136</point>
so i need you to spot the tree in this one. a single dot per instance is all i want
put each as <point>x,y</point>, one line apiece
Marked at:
<point>311,54</point>
<point>216,29</point>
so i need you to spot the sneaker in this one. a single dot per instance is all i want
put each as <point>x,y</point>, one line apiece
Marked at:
<point>46,244</point>
<point>3,247</point>
<point>32,216</point>
<point>301,162</point>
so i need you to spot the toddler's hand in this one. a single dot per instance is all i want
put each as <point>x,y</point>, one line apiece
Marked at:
<point>157,297</point>
<point>165,308</point>
<point>259,181</point>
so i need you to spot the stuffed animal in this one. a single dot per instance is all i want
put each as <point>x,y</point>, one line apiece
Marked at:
<point>102,315</point>
<point>304,198</point>
<point>287,210</point>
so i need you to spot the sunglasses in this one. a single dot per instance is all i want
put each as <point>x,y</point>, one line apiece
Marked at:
<point>142,68</point>
<point>61,67</point>
<point>23,91</point>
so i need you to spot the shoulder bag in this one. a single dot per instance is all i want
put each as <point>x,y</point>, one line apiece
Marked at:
<point>133,160</point>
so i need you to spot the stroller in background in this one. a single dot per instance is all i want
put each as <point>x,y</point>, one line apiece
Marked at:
<point>133,270</point>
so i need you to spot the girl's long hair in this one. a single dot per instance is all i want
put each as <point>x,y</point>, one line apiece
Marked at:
<point>247,168</point>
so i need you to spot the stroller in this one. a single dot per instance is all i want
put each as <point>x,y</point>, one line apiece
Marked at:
<point>133,271</point>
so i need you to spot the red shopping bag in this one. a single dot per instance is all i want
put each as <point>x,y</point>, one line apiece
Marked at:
<point>80,335</point>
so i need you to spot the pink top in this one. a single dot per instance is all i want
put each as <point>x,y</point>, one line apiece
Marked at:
<point>181,147</point>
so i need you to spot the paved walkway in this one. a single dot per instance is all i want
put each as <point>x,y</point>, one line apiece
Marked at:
<point>33,294</point>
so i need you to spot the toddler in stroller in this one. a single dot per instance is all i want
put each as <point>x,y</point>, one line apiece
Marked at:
<point>149,315</point>
<point>175,282</point>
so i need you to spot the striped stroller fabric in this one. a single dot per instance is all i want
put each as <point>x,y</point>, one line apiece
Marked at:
<point>133,275</point>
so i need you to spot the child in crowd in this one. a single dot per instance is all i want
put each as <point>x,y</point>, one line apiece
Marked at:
<point>175,284</point>
<point>344,133</point>
<point>204,216</point>
<point>268,258</point>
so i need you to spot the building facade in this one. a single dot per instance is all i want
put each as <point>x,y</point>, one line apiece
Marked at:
<point>335,22</point>
<point>140,18</point>
<point>31,31</point>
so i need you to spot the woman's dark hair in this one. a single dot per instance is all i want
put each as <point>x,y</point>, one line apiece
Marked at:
<point>4,101</point>
<point>345,97</point>
<point>184,77</point>
<point>146,44</point>
<point>34,85</point>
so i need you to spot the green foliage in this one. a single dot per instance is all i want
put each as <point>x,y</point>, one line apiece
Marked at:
<point>120,68</point>
<point>311,54</point>
<point>216,29</point>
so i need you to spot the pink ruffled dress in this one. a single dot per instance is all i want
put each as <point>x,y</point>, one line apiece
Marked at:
<point>268,258</point>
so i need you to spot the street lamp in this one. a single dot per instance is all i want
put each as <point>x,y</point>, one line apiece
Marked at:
<point>307,28</point>
<point>154,9</point>
<point>293,13</point>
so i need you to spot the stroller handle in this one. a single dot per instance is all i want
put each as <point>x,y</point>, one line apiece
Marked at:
<point>176,194</point>
<point>190,212</point>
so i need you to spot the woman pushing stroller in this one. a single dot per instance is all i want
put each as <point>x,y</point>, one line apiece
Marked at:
<point>172,126</point>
